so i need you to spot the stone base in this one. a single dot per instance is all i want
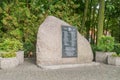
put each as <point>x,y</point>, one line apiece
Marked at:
<point>66,65</point>
<point>114,60</point>
<point>20,56</point>
<point>102,57</point>
<point>6,63</point>
<point>0,62</point>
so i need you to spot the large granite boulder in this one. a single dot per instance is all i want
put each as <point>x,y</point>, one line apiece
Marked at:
<point>49,45</point>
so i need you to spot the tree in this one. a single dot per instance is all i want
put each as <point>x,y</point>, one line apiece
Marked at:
<point>112,18</point>
<point>100,19</point>
<point>84,16</point>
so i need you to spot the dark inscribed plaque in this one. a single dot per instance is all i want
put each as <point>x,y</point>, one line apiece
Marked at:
<point>69,42</point>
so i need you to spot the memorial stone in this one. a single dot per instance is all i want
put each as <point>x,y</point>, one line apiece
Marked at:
<point>60,43</point>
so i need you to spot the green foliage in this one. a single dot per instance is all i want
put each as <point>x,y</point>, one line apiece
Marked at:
<point>66,11</point>
<point>8,54</point>
<point>106,43</point>
<point>28,47</point>
<point>20,19</point>
<point>112,18</point>
<point>94,49</point>
<point>117,48</point>
<point>19,22</point>
<point>0,10</point>
<point>11,45</point>
<point>116,55</point>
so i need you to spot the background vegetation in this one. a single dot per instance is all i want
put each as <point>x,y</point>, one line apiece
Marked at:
<point>20,19</point>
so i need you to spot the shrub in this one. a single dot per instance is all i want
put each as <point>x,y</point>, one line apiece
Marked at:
<point>28,47</point>
<point>117,48</point>
<point>8,54</point>
<point>116,55</point>
<point>0,54</point>
<point>11,45</point>
<point>106,44</point>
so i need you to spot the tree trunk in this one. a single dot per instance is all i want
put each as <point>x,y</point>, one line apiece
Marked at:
<point>100,19</point>
<point>84,16</point>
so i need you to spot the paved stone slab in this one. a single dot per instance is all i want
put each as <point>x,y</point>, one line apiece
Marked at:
<point>29,71</point>
<point>69,65</point>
